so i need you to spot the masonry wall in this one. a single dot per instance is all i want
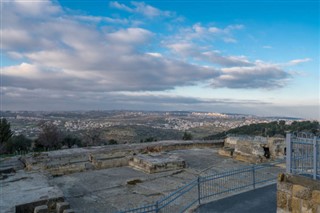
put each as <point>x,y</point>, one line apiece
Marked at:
<point>251,148</point>
<point>297,194</point>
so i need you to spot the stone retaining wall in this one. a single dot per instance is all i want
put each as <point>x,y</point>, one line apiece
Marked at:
<point>297,194</point>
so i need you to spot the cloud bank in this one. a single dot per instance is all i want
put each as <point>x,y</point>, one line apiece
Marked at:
<point>61,55</point>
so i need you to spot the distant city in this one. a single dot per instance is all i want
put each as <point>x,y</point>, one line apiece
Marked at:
<point>199,123</point>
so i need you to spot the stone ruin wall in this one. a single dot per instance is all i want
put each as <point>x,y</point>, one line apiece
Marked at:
<point>69,161</point>
<point>297,194</point>
<point>251,148</point>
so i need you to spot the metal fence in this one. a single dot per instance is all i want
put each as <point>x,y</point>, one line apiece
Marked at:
<point>303,157</point>
<point>212,187</point>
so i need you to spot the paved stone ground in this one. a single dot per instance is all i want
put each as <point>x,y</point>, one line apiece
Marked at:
<point>262,200</point>
<point>107,190</point>
<point>24,187</point>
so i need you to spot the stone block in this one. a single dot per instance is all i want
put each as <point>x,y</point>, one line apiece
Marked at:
<point>89,166</point>
<point>279,210</point>
<point>41,209</point>
<point>282,201</point>
<point>296,205</point>
<point>301,192</point>
<point>285,187</point>
<point>316,196</point>
<point>68,211</point>
<point>290,203</point>
<point>61,206</point>
<point>315,208</point>
<point>306,206</point>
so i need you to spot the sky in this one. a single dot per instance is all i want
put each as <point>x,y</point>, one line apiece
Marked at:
<point>232,56</point>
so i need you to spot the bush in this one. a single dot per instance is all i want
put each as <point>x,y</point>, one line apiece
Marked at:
<point>112,142</point>
<point>18,143</point>
<point>70,141</point>
<point>187,136</point>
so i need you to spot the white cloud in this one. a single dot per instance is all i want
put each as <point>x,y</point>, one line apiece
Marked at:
<point>130,36</point>
<point>259,76</point>
<point>299,61</point>
<point>142,8</point>
<point>199,33</point>
<point>201,54</point>
<point>158,55</point>
<point>74,57</point>
<point>120,6</point>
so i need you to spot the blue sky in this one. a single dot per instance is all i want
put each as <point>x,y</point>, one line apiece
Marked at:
<point>252,57</point>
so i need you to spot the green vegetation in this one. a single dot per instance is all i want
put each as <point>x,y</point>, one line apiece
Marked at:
<point>5,131</point>
<point>112,142</point>
<point>270,129</point>
<point>140,133</point>
<point>18,143</point>
<point>149,139</point>
<point>50,137</point>
<point>70,141</point>
<point>187,136</point>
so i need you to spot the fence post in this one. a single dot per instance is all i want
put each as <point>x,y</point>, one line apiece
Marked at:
<point>288,153</point>
<point>157,207</point>
<point>199,193</point>
<point>253,177</point>
<point>315,157</point>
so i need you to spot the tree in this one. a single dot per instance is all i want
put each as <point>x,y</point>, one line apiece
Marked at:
<point>18,143</point>
<point>93,136</point>
<point>5,134</point>
<point>5,131</point>
<point>70,141</point>
<point>49,137</point>
<point>187,136</point>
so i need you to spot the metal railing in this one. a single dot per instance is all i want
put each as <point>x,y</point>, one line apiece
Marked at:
<point>303,155</point>
<point>212,187</point>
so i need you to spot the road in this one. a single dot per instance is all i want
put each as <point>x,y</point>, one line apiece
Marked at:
<point>262,200</point>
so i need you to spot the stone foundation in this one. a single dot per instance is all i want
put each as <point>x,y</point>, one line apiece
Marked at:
<point>154,163</point>
<point>69,161</point>
<point>297,194</point>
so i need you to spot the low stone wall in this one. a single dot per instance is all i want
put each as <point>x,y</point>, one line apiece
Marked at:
<point>68,161</point>
<point>297,194</point>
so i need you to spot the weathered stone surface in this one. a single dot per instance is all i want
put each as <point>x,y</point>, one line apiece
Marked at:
<point>153,163</point>
<point>296,205</point>
<point>316,196</point>
<point>68,211</point>
<point>282,200</point>
<point>303,181</point>
<point>41,209</point>
<point>61,206</point>
<point>301,192</point>
<point>284,186</point>
<point>280,210</point>
<point>226,151</point>
<point>306,206</point>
